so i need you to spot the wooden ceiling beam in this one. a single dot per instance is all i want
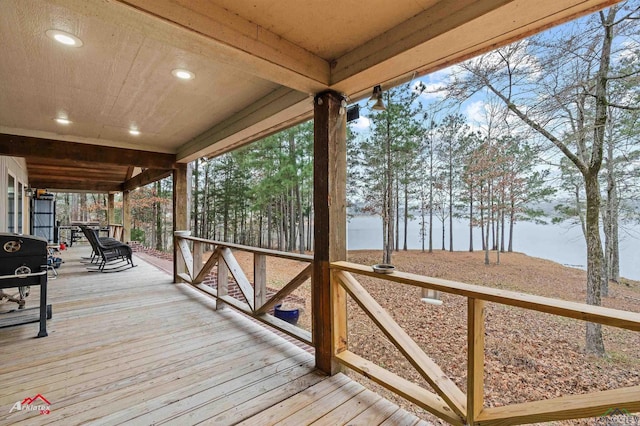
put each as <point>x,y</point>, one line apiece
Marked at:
<point>230,39</point>
<point>44,168</point>
<point>35,175</point>
<point>280,109</point>
<point>449,32</point>
<point>64,185</point>
<point>145,178</point>
<point>442,17</point>
<point>39,148</point>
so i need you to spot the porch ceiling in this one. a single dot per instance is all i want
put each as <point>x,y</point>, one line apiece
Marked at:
<point>257,65</point>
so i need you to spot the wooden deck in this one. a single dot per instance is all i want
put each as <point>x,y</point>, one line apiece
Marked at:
<point>133,348</point>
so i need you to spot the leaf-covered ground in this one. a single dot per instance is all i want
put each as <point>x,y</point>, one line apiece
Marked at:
<point>529,356</point>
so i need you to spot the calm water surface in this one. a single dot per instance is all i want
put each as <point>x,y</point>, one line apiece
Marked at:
<point>561,243</point>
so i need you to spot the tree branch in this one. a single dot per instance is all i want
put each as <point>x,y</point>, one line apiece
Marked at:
<point>538,128</point>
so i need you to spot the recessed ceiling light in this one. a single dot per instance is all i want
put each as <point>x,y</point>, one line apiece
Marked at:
<point>62,120</point>
<point>134,132</point>
<point>64,38</point>
<point>182,74</point>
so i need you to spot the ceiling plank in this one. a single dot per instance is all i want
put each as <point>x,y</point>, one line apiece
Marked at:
<point>145,178</point>
<point>280,109</point>
<point>236,41</point>
<point>30,147</point>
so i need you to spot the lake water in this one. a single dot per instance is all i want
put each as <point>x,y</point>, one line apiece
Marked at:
<point>561,243</point>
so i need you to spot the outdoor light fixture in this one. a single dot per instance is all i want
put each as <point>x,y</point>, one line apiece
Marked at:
<point>62,120</point>
<point>64,38</point>
<point>376,96</point>
<point>353,113</point>
<point>182,74</point>
<point>133,131</point>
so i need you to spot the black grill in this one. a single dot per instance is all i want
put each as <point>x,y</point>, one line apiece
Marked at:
<point>21,255</point>
<point>23,263</point>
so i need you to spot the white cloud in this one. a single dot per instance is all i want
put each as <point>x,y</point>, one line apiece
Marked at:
<point>477,112</point>
<point>361,123</point>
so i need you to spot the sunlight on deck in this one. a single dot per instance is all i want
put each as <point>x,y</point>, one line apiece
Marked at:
<point>131,347</point>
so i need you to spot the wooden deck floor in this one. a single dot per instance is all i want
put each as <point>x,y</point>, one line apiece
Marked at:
<point>133,348</point>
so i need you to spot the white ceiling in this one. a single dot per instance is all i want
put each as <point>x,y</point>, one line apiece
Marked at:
<point>257,62</point>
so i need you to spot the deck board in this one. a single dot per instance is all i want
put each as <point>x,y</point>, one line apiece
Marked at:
<point>133,348</point>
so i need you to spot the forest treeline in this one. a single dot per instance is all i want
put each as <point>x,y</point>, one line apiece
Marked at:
<point>555,119</point>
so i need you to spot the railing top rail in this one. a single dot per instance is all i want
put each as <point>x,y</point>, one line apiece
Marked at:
<point>257,250</point>
<point>607,316</point>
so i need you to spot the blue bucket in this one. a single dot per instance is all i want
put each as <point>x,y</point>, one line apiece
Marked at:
<point>289,315</point>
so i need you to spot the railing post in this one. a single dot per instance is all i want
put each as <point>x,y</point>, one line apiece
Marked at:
<point>223,282</point>
<point>339,315</point>
<point>475,360</point>
<point>330,219</point>
<point>197,258</point>
<point>259,280</point>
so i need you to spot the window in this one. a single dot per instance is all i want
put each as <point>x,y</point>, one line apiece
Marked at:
<point>11,204</point>
<point>20,205</point>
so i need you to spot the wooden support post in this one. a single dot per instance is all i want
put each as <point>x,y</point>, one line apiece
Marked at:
<point>475,360</point>
<point>259,280</point>
<point>180,215</point>
<point>126,217</point>
<point>330,223</point>
<point>111,209</point>
<point>223,283</point>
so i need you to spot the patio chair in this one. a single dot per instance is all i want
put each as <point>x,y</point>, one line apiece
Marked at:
<point>108,253</point>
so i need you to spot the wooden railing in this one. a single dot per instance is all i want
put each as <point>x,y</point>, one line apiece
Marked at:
<point>256,303</point>
<point>449,402</point>
<point>116,231</point>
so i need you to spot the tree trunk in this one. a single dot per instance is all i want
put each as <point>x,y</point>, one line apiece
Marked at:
<point>594,342</point>
<point>443,233</point>
<point>158,212</point>
<point>431,200</point>
<point>450,199</point>
<point>512,219</point>
<point>482,217</point>
<point>396,199</point>
<point>196,197</point>
<point>406,214</point>
<point>423,231</point>
<point>269,222</point>
<point>388,198</point>
<point>471,215</point>
<point>497,232</point>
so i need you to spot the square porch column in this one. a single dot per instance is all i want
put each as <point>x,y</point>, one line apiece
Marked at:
<point>180,213</point>
<point>126,217</point>
<point>330,221</point>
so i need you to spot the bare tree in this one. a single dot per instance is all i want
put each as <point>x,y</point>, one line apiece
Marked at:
<point>558,87</point>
